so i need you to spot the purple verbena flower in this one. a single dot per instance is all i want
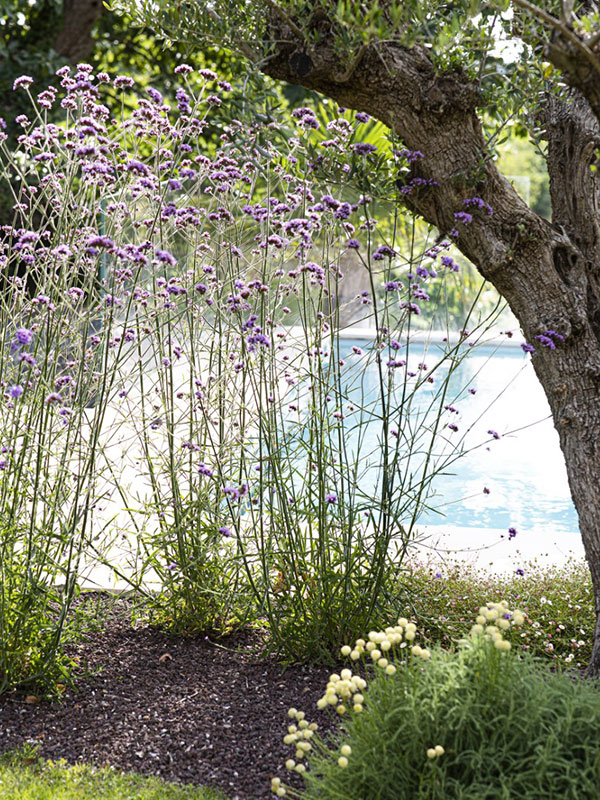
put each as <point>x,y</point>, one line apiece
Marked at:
<point>364,148</point>
<point>155,95</point>
<point>383,252</point>
<point>165,257</point>
<point>464,217</point>
<point>546,341</point>
<point>449,262</point>
<point>22,82</point>
<point>409,155</point>
<point>23,336</point>
<point>123,82</point>
<point>477,202</point>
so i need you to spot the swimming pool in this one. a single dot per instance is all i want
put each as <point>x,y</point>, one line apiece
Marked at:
<point>518,480</point>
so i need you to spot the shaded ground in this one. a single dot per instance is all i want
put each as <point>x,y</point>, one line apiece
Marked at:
<point>206,715</point>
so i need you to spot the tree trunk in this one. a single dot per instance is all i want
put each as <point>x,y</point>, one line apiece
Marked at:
<point>548,273</point>
<point>74,41</point>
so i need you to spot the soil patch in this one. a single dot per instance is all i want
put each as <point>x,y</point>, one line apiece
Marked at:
<point>185,709</point>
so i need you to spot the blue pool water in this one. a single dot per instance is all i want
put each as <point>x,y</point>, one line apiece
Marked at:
<point>523,470</point>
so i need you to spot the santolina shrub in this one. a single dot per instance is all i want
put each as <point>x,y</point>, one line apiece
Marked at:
<point>480,721</point>
<point>180,405</point>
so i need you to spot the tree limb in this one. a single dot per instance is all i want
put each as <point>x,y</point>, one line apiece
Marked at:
<point>564,31</point>
<point>74,40</point>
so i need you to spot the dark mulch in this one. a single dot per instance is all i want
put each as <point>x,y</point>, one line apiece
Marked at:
<point>207,715</point>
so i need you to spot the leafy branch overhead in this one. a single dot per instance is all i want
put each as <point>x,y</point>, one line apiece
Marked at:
<point>503,56</point>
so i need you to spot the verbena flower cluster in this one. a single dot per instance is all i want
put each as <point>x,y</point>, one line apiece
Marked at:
<point>171,302</point>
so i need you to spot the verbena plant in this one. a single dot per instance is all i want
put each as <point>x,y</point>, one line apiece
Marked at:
<point>175,369</point>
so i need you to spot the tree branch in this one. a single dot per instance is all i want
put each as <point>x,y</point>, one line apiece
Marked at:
<point>567,12</point>
<point>573,135</point>
<point>564,31</point>
<point>286,18</point>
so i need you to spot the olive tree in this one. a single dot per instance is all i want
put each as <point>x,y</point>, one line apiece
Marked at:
<point>431,70</point>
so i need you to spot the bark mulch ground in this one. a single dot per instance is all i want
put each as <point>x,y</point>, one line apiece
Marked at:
<point>208,714</point>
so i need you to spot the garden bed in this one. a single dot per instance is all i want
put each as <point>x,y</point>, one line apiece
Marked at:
<point>184,709</point>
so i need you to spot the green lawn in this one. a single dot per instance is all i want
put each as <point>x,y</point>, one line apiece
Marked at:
<point>30,778</point>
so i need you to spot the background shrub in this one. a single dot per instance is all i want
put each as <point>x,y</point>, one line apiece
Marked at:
<point>557,603</point>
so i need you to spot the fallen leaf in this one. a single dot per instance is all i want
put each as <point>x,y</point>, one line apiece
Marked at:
<point>32,698</point>
<point>165,657</point>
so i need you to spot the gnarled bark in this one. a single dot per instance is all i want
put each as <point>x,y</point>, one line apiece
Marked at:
<point>548,273</point>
